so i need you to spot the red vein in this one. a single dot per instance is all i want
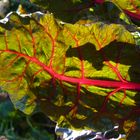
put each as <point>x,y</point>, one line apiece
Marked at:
<point>80,56</point>
<point>35,74</point>
<point>133,15</point>
<point>78,92</point>
<point>81,59</point>
<point>53,45</point>
<point>107,98</point>
<point>99,1</point>
<point>109,64</point>
<point>75,106</point>
<point>6,42</point>
<point>85,81</point>
<point>10,63</point>
<point>135,7</point>
<point>79,53</point>
<point>19,78</point>
<point>19,45</point>
<point>123,98</point>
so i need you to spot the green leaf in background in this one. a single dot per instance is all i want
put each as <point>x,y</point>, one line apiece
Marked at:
<point>82,76</point>
<point>131,7</point>
<point>64,10</point>
<point>15,125</point>
<point>67,10</point>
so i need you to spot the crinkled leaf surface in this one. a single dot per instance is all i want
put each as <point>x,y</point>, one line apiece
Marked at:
<point>81,75</point>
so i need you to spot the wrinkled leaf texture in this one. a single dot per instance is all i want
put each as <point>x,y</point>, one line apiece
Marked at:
<point>82,76</point>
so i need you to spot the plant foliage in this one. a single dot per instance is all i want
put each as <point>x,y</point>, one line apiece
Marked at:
<point>82,75</point>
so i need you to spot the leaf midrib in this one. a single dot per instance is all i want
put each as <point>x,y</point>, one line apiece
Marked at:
<point>82,81</point>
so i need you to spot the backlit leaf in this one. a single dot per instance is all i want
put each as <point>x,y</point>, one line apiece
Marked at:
<point>81,75</point>
<point>131,7</point>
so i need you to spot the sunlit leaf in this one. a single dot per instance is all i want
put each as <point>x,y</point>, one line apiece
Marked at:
<point>81,75</point>
<point>131,7</point>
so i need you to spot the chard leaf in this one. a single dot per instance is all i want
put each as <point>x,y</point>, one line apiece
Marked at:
<point>131,7</point>
<point>81,75</point>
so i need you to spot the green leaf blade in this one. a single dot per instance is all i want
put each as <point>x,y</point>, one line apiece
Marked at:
<point>84,73</point>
